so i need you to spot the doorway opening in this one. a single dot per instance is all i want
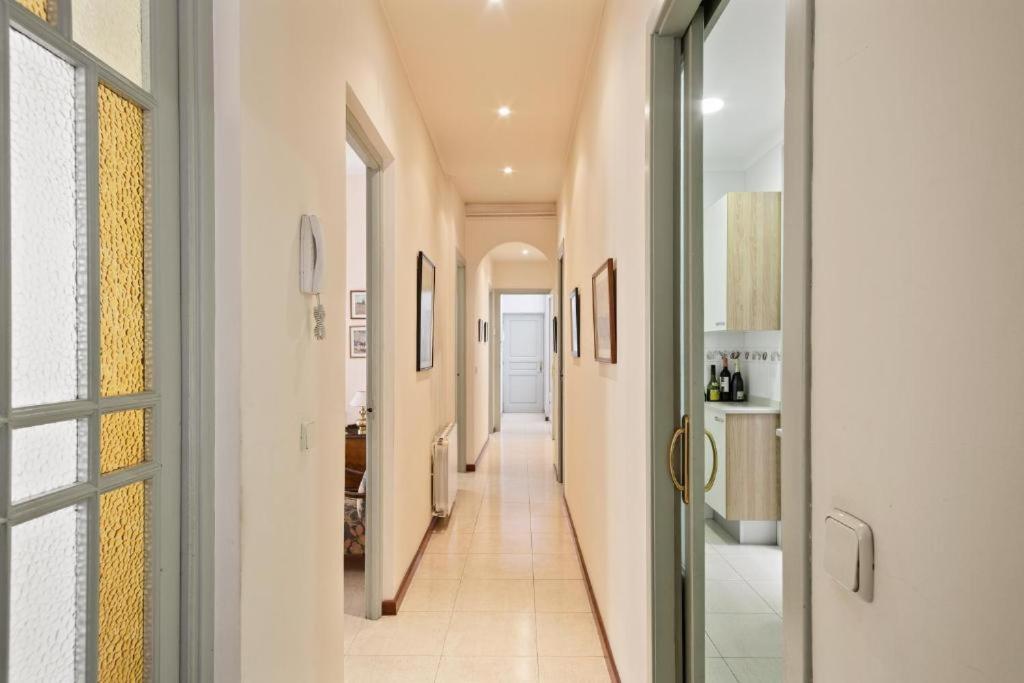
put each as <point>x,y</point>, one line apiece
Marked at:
<point>526,351</point>
<point>356,355</point>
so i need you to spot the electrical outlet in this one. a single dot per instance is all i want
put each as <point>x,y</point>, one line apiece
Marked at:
<point>306,434</point>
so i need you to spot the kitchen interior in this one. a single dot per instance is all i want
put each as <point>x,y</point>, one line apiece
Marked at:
<point>743,135</point>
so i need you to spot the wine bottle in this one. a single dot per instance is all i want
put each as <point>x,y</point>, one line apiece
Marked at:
<point>723,380</point>
<point>739,392</point>
<point>714,390</point>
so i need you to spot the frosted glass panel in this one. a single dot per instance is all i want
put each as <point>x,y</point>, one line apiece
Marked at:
<point>116,31</point>
<point>47,457</point>
<point>123,584</point>
<point>122,246</point>
<point>47,247</point>
<point>122,440</point>
<point>48,598</point>
<point>36,7</point>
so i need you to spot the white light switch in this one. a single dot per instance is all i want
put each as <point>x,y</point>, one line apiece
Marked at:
<point>850,553</point>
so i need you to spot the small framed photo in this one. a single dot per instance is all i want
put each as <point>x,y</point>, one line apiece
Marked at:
<point>357,341</point>
<point>485,332</point>
<point>357,304</point>
<point>479,330</point>
<point>604,313</point>
<point>574,321</point>
<point>425,281</point>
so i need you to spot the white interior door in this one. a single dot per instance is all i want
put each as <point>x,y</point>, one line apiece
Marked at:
<point>523,363</point>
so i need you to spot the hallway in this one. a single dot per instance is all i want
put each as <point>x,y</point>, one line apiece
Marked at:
<point>499,594</point>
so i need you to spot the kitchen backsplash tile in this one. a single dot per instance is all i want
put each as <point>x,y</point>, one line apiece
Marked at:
<point>760,356</point>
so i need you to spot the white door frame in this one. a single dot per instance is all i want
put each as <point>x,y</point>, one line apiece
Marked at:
<point>460,357</point>
<point>543,357</point>
<point>364,138</point>
<point>494,351</point>
<point>663,214</point>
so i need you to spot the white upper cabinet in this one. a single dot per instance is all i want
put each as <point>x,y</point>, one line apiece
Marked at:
<point>743,262</point>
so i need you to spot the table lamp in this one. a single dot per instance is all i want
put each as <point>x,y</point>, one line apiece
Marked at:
<point>359,401</point>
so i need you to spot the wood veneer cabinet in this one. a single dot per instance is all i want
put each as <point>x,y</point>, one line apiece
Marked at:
<point>749,482</point>
<point>743,262</point>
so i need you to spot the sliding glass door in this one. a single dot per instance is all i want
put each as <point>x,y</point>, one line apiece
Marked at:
<point>90,376</point>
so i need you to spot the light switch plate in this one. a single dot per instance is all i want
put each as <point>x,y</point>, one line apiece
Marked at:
<point>850,554</point>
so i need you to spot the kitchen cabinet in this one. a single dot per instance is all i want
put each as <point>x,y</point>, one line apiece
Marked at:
<point>748,486</point>
<point>743,262</point>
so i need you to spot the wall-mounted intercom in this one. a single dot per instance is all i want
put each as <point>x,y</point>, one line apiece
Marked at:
<point>312,257</point>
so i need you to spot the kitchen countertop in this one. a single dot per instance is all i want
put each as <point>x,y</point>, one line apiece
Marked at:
<point>755,406</point>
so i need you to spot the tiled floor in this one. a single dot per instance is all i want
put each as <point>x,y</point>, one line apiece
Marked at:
<point>743,610</point>
<point>499,596</point>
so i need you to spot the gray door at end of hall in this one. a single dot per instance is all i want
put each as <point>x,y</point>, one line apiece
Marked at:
<point>523,363</point>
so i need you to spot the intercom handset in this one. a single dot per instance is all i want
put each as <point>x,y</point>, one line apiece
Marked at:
<point>311,267</point>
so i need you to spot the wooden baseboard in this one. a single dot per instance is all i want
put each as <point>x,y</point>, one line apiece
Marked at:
<point>471,467</point>
<point>613,671</point>
<point>390,607</point>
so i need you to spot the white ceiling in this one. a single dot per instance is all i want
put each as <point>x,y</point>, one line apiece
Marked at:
<point>744,65</point>
<point>466,58</point>
<point>513,251</point>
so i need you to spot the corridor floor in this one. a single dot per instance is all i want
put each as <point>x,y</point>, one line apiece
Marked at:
<point>499,595</point>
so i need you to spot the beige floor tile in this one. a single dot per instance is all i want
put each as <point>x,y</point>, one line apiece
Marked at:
<point>449,543</point>
<point>553,544</point>
<point>500,543</point>
<point>517,524</point>
<point>746,635</point>
<point>441,566</point>
<point>491,506</point>
<point>561,596</point>
<point>549,567</point>
<point>550,525</point>
<point>717,671</point>
<point>491,634</point>
<point>487,670</point>
<point>353,625</point>
<point>547,508</point>
<point>431,595</point>
<point>499,567</point>
<point>568,635</point>
<point>574,670</point>
<point>495,595</point>
<point>390,669</point>
<point>409,633</point>
<point>756,670</point>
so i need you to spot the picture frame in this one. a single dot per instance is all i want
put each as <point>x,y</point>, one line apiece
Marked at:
<point>357,341</point>
<point>479,330</point>
<point>603,284</point>
<point>554,334</point>
<point>574,322</point>
<point>426,278</point>
<point>485,332</point>
<point>357,304</point>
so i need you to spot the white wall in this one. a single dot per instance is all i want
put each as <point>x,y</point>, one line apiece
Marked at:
<point>355,272</point>
<point>602,212</point>
<point>916,327</point>
<point>478,281</point>
<point>285,73</point>
<point>524,274</point>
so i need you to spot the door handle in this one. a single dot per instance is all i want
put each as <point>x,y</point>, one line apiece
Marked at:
<point>714,461</point>
<point>680,433</point>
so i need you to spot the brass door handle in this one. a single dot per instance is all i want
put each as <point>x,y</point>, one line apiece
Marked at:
<point>681,433</point>
<point>714,461</point>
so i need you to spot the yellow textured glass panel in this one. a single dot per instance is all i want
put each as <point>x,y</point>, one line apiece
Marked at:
<point>122,440</point>
<point>123,585</point>
<point>122,246</point>
<point>36,7</point>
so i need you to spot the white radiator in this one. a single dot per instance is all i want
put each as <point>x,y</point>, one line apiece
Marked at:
<point>444,470</point>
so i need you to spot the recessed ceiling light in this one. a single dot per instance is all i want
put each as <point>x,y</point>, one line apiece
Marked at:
<point>710,105</point>
<point>507,170</point>
<point>504,112</point>
<point>526,252</point>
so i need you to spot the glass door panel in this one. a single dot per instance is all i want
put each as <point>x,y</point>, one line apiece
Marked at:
<point>89,344</point>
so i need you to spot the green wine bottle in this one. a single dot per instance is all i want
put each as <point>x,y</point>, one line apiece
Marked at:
<point>714,393</point>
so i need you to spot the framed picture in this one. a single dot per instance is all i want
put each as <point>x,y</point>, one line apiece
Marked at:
<point>425,278</point>
<point>604,312</point>
<point>485,331</point>
<point>357,304</point>
<point>357,341</point>
<point>479,330</point>
<point>574,321</point>
<point>554,334</point>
